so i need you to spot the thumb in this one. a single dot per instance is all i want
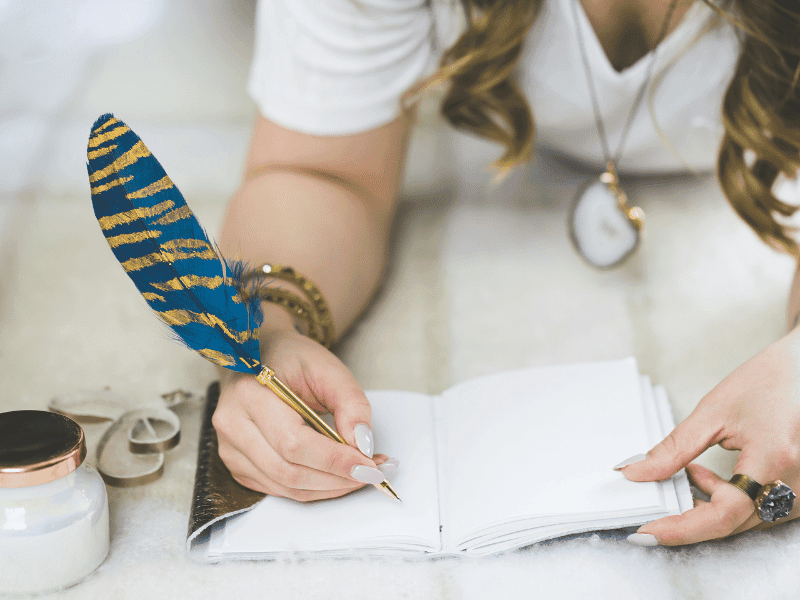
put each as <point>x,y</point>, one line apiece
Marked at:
<point>352,413</point>
<point>686,442</point>
<point>353,421</point>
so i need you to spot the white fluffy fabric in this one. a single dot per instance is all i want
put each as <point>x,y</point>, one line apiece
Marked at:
<point>483,279</point>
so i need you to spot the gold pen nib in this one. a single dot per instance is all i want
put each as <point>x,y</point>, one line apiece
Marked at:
<point>387,489</point>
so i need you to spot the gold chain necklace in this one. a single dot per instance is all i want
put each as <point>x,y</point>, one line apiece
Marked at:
<point>604,228</point>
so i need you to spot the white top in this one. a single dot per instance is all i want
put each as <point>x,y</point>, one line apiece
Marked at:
<point>333,67</point>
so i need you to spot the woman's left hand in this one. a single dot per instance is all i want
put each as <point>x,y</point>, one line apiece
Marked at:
<point>755,409</point>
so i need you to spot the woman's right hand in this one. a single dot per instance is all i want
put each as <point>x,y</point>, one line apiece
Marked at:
<point>269,448</point>
<point>322,204</point>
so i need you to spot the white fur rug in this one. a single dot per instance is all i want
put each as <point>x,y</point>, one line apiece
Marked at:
<point>483,280</point>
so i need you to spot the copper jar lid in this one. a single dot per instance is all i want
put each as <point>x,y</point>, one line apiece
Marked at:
<point>38,447</point>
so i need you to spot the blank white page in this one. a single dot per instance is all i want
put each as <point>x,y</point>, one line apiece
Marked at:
<point>402,424</point>
<point>541,443</point>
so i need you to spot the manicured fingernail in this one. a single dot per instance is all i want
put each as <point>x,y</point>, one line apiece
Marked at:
<point>364,439</point>
<point>643,539</point>
<point>389,467</point>
<point>629,461</point>
<point>366,474</point>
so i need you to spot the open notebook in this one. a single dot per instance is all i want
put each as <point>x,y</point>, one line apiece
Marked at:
<point>492,464</point>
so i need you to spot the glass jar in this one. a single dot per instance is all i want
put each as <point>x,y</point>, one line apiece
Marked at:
<point>53,506</point>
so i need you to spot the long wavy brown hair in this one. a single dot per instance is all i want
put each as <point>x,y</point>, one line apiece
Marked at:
<point>761,109</point>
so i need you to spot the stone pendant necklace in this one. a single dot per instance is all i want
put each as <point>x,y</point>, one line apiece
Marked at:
<point>604,228</point>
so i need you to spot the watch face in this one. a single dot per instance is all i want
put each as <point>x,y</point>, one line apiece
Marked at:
<point>775,501</point>
<point>601,231</point>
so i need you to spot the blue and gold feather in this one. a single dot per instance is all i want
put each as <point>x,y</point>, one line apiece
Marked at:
<point>166,252</point>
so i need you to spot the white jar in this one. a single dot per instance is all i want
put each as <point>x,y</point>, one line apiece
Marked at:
<point>53,508</point>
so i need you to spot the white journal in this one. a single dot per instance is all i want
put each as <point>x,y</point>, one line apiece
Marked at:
<point>492,464</point>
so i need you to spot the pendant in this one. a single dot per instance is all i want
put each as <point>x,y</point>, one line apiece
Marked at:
<point>604,229</point>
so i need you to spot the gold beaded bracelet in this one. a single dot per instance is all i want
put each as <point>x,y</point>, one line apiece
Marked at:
<point>314,313</point>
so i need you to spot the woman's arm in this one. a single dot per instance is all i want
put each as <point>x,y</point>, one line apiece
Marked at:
<point>322,205</point>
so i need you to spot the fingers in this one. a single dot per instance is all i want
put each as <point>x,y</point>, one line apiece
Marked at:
<point>321,379</point>
<point>386,465</point>
<point>687,441</point>
<point>249,452</point>
<point>296,443</point>
<point>246,474</point>
<point>705,479</point>
<point>341,395</point>
<point>728,509</point>
<point>267,446</point>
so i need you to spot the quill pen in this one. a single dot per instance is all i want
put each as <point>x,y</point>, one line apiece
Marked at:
<point>165,251</point>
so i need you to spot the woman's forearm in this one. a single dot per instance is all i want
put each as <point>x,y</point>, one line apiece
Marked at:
<point>320,228</point>
<point>321,205</point>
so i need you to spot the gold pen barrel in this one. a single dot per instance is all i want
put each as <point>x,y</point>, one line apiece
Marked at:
<point>267,377</point>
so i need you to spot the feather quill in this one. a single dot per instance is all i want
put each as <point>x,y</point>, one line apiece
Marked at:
<point>165,251</point>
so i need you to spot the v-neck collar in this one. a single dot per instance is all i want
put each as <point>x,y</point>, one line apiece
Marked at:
<point>601,65</point>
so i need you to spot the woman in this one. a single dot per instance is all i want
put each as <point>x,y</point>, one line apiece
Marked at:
<point>331,80</point>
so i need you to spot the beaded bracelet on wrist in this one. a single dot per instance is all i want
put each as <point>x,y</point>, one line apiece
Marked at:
<point>314,312</point>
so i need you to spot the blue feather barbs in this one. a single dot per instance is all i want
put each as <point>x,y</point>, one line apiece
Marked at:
<point>165,251</point>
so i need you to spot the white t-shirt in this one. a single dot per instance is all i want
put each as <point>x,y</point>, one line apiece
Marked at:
<point>333,67</point>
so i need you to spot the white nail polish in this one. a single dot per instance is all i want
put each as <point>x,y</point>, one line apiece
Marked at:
<point>366,474</point>
<point>629,461</point>
<point>643,539</point>
<point>389,467</point>
<point>364,439</point>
